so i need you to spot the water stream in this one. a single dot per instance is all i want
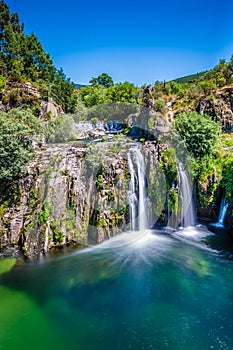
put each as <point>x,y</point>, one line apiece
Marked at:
<point>223,211</point>
<point>137,190</point>
<point>188,213</point>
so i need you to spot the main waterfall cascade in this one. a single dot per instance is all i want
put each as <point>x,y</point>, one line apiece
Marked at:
<point>188,213</point>
<point>138,198</point>
<point>137,190</point>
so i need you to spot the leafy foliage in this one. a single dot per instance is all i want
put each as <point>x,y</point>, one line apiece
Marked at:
<point>199,132</point>
<point>93,95</point>
<point>123,92</point>
<point>103,79</point>
<point>98,94</point>
<point>17,128</point>
<point>23,58</point>
<point>62,91</point>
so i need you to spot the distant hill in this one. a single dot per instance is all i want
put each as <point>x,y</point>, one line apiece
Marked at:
<point>78,86</point>
<point>189,78</point>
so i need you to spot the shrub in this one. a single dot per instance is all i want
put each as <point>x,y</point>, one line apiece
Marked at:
<point>198,132</point>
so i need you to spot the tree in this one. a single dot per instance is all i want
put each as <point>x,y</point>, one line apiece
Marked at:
<point>63,92</point>
<point>103,79</point>
<point>22,57</point>
<point>93,95</point>
<point>17,128</point>
<point>122,92</point>
<point>198,132</point>
<point>37,63</point>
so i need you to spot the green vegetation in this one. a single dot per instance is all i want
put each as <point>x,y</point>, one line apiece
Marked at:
<point>46,211</point>
<point>199,132</point>
<point>210,155</point>
<point>189,78</point>
<point>23,59</point>
<point>17,128</point>
<point>168,163</point>
<point>103,79</point>
<point>104,93</point>
<point>188,93</point>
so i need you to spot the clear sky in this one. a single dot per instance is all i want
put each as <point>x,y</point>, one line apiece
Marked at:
<point>136,41</point>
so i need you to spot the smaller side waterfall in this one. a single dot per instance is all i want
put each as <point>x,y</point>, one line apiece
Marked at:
<point>137,190</point>
<point>188,216</point>
<point>223,211</point>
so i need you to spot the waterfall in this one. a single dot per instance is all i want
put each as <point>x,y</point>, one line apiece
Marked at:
<point>133,200</point>
<point>223,211</point>
<point>137,190</point>
<point>188,216</point>
<point>168,209</point>
<point>170,216</point>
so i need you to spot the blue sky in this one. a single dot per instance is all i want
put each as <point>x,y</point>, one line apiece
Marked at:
<point>136,41</point>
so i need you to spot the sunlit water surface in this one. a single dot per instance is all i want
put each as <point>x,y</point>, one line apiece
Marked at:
<point>152,290</point>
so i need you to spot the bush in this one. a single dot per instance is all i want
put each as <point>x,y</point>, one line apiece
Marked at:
<point>17,128</point>
<point>198,132</point>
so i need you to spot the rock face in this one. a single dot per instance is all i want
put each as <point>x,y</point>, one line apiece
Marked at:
<point>220,108</point>
<point>49,109</point>
<point>74,193</point>
<point>18,94</point>
<point>70,194</point>
<point>147,97</point>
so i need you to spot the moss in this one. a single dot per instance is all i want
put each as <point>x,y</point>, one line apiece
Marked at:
<point>57,234</point>
<point>2,209</point>
<point>110,195</point>
<point>115,148</point>
<point>174,201</point>
<point>47,210</point>
<point>70,220</point>
<point>99,183</point>
<point>168,163</point>
<point>101,223</point>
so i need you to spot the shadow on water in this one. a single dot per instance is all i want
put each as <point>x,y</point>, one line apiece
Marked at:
<point>222,240</point>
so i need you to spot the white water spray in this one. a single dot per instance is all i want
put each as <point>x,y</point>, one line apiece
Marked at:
<point>188,216</point>
<point>223,211</point>
<point>137,190</point>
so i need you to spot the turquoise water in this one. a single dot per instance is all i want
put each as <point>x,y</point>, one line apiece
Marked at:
<point>137,291</point>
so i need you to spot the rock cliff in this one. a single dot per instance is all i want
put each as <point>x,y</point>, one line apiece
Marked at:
<point>71,193</point>
<point>220,108</point>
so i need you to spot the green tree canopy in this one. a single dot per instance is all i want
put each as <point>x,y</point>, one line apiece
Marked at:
<point>63,92</point>
<point>17,128</point>
<point>123,92</point>
<point>93,95</point>
<point>198,132</point>
<point>103,79</point>
<point>22,57</point>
